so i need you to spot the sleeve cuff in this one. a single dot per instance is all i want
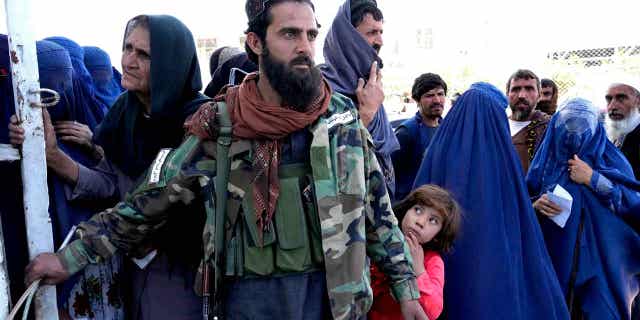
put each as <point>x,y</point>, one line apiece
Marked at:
<point>595,176</point>
<point>73,257</point>
<point>81,185</point>
<point>600,184</point>
<point>372,125</point>
<point>406,290</point>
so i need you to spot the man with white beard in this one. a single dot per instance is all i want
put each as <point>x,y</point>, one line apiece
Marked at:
<point>623,121</point>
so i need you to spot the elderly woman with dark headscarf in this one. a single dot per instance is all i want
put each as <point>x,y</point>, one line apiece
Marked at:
<point>106,79</point>
<point>596,254</point>
<point>499,267</point>
<point>145,119</point>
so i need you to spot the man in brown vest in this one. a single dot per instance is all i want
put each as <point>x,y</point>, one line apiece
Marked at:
<point>527,124</point>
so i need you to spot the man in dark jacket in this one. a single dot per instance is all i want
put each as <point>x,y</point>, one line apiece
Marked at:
<point>429,91</point>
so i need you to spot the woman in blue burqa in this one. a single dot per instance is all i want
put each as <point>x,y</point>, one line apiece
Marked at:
<point>83,88</point>
<point>100,281</point>
<point>597,253</point>
<point>106,79</point>
<point>499,267</point>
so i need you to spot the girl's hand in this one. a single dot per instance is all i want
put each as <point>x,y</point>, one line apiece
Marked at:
<point>417,253</point>
<point>579,171</point>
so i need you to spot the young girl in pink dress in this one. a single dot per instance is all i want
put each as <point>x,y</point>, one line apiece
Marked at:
<point>429,219</point>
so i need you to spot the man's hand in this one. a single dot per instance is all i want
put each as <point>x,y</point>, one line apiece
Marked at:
<point>417,254</point>
<point>46,266</point>
<point>579,171</point>
<point>74,132</point>
<point>371,95</point>
<point>412,310</point>
<point>547,207</point>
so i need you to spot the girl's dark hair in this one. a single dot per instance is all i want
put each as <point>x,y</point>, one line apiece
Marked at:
<point>440,200</point>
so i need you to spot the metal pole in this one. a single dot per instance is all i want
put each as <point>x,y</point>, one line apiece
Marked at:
<point>24,69</point>
<point>5,296</point>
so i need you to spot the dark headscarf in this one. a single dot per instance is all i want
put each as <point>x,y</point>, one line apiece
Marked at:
<point>83,89</point>
<point>106,79</point>
<point>222,74</point>
<point>609,260</point>
<point>499,267</point>
<point>6,90</point>
<point>131,141</point>
<point>348,57</point>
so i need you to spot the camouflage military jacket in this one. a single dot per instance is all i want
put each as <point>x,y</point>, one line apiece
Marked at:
<point>354,209</point>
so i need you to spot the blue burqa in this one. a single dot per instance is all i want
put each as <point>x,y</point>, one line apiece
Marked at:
<point>606,264</point>
<point>55,68</point>
<point>83,88</point>
<point>106,79</point>
<point>348,57</point>
<point>499,267</point>
<point>56,73</point>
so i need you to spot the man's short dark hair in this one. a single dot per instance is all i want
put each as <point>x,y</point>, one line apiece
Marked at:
<point>523,74</point>
<point>259,25</point>
<point>548,83</point>
<point>425,83</point>
<point>359,11</point>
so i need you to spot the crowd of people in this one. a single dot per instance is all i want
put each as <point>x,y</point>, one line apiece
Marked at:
<point>283,192</point>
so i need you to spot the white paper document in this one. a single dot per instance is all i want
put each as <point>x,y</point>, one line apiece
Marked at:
<point>563,199</point>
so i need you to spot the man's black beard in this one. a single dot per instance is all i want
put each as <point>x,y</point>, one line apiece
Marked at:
<point>377,47</point>
<point>297,89</point>
<point>546,107</point>
<point>429,114</point>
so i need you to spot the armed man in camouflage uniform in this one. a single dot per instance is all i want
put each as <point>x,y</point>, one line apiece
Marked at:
<point>305,199</point>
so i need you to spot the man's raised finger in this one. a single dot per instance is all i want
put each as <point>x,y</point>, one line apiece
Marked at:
<point>373,73</point>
